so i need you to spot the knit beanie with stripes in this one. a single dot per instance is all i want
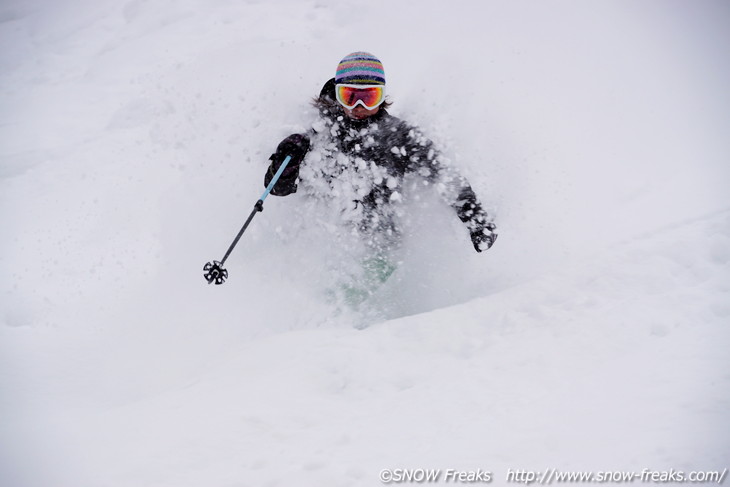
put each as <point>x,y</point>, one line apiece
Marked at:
<point>360,68</point>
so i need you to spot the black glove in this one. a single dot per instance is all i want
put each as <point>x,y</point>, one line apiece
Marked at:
<point>296,146</point>
<point>484,237</point>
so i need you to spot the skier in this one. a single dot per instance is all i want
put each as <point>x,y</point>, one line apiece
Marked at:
<point>357,155</point>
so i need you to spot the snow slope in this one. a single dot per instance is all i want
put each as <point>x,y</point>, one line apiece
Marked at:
<point>592,336</point>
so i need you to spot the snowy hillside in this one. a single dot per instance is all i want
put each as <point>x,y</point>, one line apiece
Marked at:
<point>593,336</point>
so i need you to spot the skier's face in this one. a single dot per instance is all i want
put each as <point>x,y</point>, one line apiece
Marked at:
<point>360,112</point>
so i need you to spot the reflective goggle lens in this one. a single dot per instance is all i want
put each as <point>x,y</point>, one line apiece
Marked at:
<point>369,96</point>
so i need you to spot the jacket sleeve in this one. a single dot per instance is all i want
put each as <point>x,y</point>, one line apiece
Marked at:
<point>296,146</point>
<point>453,188</point>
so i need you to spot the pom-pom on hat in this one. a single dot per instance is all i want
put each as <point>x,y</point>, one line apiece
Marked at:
<point>360,68</point>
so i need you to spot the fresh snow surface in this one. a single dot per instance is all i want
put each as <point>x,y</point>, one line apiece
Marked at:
<point>594,336</point>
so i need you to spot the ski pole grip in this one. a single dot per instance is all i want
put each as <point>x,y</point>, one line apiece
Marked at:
<point>275,178</point>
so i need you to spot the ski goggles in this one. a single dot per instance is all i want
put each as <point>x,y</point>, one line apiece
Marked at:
<point>369,96</point>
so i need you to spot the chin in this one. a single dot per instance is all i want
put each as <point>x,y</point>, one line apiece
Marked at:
<point>359,115</point>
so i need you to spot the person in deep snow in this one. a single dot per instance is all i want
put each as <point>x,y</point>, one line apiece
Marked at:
<point>360,153</point>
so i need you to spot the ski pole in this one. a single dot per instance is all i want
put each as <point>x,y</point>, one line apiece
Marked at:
<point>214,271</point>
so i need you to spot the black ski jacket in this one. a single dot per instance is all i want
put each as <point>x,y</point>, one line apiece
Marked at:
<point>396,149</point>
